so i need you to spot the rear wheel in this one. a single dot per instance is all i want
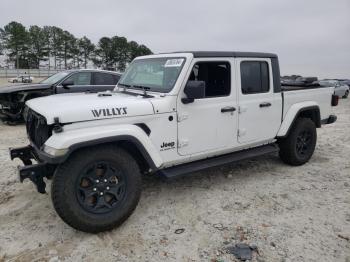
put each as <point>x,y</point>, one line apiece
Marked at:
<point>346,94</point>
<point>96,189</point>
<point>298,147</point>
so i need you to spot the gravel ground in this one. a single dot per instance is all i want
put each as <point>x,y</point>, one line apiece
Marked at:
<point>3,81</point>
<point>289,213</point>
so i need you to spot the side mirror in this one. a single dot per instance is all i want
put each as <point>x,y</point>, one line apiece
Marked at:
<point>67,83</point>
<point>193,90</point>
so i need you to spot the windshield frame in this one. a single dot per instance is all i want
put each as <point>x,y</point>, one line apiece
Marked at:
<point>152,88</point>
<point>59,80</point>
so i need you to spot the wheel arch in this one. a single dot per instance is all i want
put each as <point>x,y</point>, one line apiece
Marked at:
<point>131,138</point>
<point>129,143</point>
<point>310,111</point>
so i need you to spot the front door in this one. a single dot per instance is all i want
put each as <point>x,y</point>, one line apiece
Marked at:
<point>260,108</point>
<point>209,124</point>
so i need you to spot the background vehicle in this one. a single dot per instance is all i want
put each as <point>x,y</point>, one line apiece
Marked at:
<point>340,89</point>
<point>22,79</point>
<point>300,81</point>
<point>170,114</point>
<point>288,79</point>
<point>345,81</point>
<point>13,98</point>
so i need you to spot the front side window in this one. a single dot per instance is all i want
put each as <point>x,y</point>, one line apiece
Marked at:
<point>216,75</point>
<point>81,79</point>
<point>255,77</point>
<point>155,74</point>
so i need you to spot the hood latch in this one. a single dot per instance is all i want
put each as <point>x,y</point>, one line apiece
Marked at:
<point>57,127</point>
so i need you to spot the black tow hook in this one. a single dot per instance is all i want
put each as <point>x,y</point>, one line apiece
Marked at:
<point>36,174</point>
<point>23,153</point>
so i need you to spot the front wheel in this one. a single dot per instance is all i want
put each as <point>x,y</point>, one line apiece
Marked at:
<point>298,147</point>
<point>96,189</point>
<point>346,94</point>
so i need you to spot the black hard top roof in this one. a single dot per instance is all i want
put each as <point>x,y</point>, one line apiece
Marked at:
<point>92,70</point>
<point>198,54</point>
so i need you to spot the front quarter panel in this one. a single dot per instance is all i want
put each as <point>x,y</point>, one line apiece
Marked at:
<point>68,139</point>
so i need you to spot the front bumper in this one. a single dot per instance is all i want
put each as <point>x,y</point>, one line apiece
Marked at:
<point>34,172</point>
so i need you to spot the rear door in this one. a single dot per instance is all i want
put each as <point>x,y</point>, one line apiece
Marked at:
<point>104,81</point>
<point>260,108</point>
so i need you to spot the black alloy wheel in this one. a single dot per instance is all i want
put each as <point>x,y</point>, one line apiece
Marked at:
<point>100,187</point>
<point>97,188</point>
<point>299,145</point>
<point>304,142</point>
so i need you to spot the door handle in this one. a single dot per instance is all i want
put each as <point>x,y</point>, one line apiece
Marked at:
<point>265,104</point>
<point>228,109</point>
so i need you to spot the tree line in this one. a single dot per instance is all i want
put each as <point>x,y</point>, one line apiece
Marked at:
<point>59,49</point>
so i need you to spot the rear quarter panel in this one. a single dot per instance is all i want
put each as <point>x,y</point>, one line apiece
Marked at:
<point>299,99</point>
<point>320,96</point>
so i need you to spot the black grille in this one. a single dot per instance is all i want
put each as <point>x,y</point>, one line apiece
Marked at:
<point>37,129</point>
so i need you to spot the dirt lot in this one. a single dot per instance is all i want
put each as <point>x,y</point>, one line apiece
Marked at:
<point>3,81</point>
<point>290,213</point>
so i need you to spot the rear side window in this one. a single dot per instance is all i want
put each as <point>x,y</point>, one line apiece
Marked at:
<point>105,79</point>
<point>255,77</point>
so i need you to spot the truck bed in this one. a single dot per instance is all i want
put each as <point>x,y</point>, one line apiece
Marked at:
<point>291,88</point>
<point>320,96</point>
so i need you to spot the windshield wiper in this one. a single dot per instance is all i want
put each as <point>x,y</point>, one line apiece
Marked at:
<point>125,85</point>
<point>144,88</point>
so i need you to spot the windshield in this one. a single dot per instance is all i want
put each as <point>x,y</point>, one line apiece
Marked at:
<point>154,74</point>
<point>54,78</point>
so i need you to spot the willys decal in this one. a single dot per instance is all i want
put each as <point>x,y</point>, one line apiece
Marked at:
<point>115,111</point>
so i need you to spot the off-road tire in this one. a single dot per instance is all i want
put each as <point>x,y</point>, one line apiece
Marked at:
<point>64,190</point>
<point>346,94</point>
<point>288,146</point>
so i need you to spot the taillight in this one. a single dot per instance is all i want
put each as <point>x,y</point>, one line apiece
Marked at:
<point>335,100</point>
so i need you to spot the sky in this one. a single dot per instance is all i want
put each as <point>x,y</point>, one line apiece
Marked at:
<point>311,37</point>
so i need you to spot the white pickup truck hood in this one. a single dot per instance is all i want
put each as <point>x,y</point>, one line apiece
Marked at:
<point>82,107</point>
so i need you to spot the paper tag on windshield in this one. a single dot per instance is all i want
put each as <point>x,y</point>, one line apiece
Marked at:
<point>174,62</point>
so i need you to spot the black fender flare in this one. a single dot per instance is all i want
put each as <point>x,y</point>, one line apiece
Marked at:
<point>45,157</point>
<point>316,117</point>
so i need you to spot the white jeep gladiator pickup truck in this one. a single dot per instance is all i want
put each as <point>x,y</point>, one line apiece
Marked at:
<point>170,114</point>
